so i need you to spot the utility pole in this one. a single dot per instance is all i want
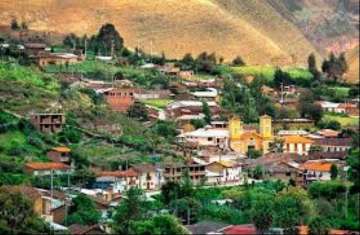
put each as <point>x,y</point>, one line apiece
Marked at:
<point>85,45</point>
<point>282,94</point>
<point>112,48</point>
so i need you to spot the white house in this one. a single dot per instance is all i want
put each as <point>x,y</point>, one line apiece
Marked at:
<point>209,93</point>
<point>206,137</point>
<point>223,172</point>
<point>316,170</point>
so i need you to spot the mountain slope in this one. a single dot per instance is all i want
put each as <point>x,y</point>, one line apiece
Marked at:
<point>353,73</point>
<point>252,29</point>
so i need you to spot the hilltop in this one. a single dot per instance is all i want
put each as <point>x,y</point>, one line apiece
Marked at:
<point>253,29</point>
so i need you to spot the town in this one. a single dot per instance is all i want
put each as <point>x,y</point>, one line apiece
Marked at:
<point>96,138</point>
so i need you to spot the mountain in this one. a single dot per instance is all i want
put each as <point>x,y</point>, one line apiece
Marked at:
<point>175,27</point>
<point>261,31</point>
<point>352,76</point>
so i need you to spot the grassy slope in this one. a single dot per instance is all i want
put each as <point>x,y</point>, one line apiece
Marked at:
<point>344,121</point>
<point>268,72</point>
<point>253,30</point>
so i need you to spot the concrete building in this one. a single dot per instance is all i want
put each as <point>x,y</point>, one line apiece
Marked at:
<point>297,144</point>
<point>48,122</point>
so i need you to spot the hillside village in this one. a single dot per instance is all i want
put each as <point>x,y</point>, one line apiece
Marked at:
<point>102,139</point>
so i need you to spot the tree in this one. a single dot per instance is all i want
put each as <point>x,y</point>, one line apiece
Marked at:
<point>319,226</point>
<point>83,211</point>
<point>206,111</point>
<point>138,111</point>
<point>333,171</point>
<point>24,26</point>
<point>170,191</point>
<point>131,208</point>
<point>308,108</point>
<point>253,153</point>
<point>281,77</point>
<point>17,215</point>
<point>353,160</point>
<point>14,25</point>
<point>262,214</point>
<point>107,41</point>
<point>292,207</point>
<point>238,61</point>
<point>312,67</point>
<point>277,146</point>
<point>187,62</point>
<point>167,129</point>
<point>335,67</point>
<point>327,189</point>
<point>186,208</point>
<point>161,224</point>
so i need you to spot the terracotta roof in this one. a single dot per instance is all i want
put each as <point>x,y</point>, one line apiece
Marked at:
<point>296,139</point>
<point>304,230</point>
<point>328,133</point>
<point>144,168</point>
<point>250,134</point>
<point>317,166</point>
<point>334,141</point>
<point>327,155</point>
<point>30,192</point>
<point>47,166</point>
<point>79,229</point>
<point>128,173</point>
<point>61,149</point>
<point>246,229</point>
<point>226,164</point>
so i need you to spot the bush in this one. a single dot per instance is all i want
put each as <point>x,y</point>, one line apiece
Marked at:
<point>329,189</point>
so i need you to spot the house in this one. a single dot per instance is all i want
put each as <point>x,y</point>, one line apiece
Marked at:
<point>241,141</point>
<point>190,107</point>
<point>48,122</point>
<point>243,229</point>
<point>297,144</point>
<point>186,74</point>
<point>281,166</point>
<point>296,123</point>
<point>206,137</point>
<point>169,70</point>
<point>119,181</point>
<point>328,133</point>
<point>350,109</point>
<point>175,171</point>
<point>149,177</point>
<point>60,154</point>
<point>52,209</point>
<point>219,124</point>
<point>46,59</point>
<point>34,49</point>
<point>207,94</point>
<point>223,172</point>
<point>142,94</point>
<point>46,168</point>
<point>317,170</point>
<point>329,106</point>
<point>78,229</point>
<point>205,227</point>
<point>292,132</point>
<point>334,144</point>
<point>120,99</point>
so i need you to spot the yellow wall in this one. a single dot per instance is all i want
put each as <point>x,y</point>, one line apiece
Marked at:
<point>265,126</point>
<point>235,128</point>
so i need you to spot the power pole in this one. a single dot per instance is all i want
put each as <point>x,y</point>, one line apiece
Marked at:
<point>282,94</point>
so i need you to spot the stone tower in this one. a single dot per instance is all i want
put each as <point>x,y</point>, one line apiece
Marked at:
<point>235,128</point>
